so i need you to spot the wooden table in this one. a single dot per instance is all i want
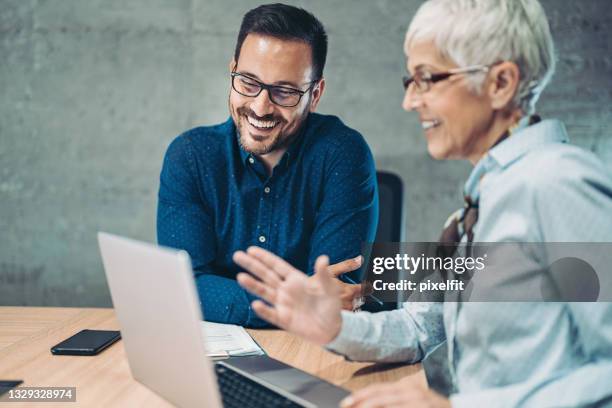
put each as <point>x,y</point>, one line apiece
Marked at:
<point>27,334</point>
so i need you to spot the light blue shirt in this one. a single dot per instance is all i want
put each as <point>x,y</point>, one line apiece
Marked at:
<point>532,187</point>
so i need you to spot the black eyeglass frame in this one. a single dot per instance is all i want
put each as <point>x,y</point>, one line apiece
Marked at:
<point>269,88</point>
<point>431,79</point>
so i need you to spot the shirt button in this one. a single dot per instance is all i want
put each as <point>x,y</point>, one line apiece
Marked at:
<point>266,189</point>
<point>262,239</point>
<point>251,160</point>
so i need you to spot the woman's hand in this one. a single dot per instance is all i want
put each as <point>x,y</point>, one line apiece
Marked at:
<point>395,394</point>
<point>306,306</point>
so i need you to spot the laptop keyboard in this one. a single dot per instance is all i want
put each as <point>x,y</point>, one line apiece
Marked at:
<point>240,392</point>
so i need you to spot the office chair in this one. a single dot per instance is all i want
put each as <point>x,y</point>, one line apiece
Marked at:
<point>390,221</point>
<point>391,229</point>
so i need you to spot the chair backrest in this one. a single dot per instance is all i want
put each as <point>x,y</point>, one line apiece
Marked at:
<point>390,221</point>
<point>391,207</point>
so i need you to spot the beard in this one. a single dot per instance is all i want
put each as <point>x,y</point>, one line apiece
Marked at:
<point>264,146</point>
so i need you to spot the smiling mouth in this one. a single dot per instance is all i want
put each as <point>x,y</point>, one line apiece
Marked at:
<point>264,125</point>
<point>430,124</point>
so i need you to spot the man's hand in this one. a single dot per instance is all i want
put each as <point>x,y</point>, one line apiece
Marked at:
<point>306,306</point>
<point>350,294</point>
<point>395,394</point>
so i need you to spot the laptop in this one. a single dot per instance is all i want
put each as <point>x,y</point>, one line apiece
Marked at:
<point>157,306</point>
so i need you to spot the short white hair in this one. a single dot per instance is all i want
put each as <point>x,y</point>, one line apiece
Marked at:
<point>474,32</point>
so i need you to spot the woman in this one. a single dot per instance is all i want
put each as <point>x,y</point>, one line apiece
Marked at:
<point>477,69</point>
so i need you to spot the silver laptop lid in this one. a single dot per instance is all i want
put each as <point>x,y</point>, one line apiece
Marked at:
<point>156,303</point>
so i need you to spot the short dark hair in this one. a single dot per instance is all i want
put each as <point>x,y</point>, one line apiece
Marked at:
<point>286,23</point>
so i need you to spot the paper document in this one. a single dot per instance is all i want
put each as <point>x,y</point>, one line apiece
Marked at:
<point>224,340</point>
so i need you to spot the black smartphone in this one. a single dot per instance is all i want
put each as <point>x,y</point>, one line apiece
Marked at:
<point>86,343</point>
<point>7,385</point>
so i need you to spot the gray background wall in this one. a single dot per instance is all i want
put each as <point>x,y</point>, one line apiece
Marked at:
<point>93,91</point>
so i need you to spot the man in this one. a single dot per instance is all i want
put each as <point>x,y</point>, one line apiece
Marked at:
<point>477,69</point>
<point>275,174</point>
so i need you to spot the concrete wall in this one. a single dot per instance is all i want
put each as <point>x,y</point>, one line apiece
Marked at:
<point>93,91</point>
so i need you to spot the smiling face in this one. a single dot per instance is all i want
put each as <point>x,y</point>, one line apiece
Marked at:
<point>264,127</point>
<point>458,123</point>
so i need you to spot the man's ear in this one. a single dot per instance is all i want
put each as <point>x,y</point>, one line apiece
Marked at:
<point>503,85</point>
<point>232,65</point>
<point>317,92</point>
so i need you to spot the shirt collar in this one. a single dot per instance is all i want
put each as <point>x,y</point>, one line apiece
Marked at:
<point>513,148</point>
<point>244,155</point>
<point>527,139</point>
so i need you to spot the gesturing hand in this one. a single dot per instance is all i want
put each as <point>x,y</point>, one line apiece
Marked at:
<point>350,294</point>
<point>306,306</point>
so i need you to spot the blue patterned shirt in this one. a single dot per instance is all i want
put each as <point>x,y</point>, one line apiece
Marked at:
<point>215,199</point>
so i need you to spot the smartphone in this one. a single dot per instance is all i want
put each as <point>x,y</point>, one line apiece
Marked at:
<point>86,343</point>
<point>7,385</point>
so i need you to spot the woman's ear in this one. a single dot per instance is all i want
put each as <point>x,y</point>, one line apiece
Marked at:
<point>232,65</point>
<point>503,85</point>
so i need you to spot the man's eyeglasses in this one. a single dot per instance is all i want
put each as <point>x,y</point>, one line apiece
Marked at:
<point>280,95</point>
<point>424,80</point>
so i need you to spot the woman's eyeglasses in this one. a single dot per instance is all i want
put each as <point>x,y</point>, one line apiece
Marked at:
<point>424,80</point>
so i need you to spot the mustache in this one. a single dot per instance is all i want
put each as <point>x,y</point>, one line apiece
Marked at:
<point>248,112</point>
